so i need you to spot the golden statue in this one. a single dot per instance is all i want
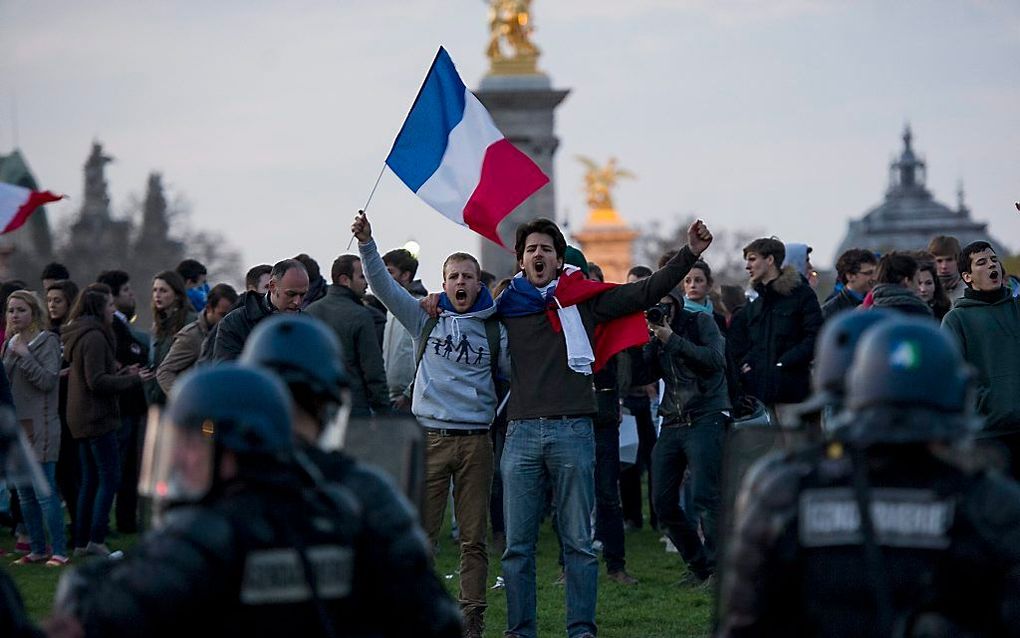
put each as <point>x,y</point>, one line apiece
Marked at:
<point>510,49</point>
<point>599,181</point>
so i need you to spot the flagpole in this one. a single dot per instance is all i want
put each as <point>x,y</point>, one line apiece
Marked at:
<point>370,196</point>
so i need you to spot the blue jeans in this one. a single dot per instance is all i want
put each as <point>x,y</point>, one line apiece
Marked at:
<point>697,446</point>
<point>44,514</point>
<point>100,475</point>
<point>559,452</point>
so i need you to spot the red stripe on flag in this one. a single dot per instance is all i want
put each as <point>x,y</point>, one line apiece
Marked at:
<point>34,201</point>
<point>508,178</point>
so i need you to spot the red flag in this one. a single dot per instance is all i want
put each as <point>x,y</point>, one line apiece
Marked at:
<point>611,337</point>
<point>17,203</point>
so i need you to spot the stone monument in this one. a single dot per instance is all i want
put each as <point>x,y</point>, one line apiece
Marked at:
<point>910,216</point>
<point>522,102</point>
<point>97,240</point>
<point>606,239</point>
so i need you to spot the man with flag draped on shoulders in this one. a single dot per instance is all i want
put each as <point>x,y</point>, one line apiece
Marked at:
<point>561,328</point>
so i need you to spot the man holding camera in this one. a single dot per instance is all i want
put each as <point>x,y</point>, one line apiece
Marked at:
<point>688,354</point>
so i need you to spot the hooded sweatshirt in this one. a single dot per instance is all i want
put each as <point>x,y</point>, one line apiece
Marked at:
<point>453,386</point>
<point>989,336</point>
<point>93,382</point>
<point>797,256</point>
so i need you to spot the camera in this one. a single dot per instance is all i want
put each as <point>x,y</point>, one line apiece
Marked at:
<point>657,314</point>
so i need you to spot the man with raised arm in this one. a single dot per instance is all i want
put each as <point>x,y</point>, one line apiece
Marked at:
<point>552,318</point>
<point>454,399</point>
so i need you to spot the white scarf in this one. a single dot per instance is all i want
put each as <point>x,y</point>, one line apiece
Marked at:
<point>580,355</point>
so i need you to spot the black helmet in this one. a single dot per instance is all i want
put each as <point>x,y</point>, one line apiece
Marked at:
<point>907,383</point>
<point>224,407</point>
<point>302,351</point>
<point>834,352</point>
<point>248,408</point>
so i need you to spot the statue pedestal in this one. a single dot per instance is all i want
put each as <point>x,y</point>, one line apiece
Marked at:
<point>608,241</point>
<point>522,107</point>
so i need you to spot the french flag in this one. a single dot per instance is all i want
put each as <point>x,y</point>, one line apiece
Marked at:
<point>451,154</point>
<point>17,203</point>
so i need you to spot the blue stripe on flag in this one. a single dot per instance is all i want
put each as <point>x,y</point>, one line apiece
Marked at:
<point>422,141</point>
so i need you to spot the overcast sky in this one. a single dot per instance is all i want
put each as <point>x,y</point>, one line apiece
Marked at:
<point>273,118</point>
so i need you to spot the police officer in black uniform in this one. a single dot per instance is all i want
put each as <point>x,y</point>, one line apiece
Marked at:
<point>241,546</point>
<point>888,528</point>
<point>17,467</point>
<point>398,593</point>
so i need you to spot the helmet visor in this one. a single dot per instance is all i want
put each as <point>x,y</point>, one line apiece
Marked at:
<point>177,462</point>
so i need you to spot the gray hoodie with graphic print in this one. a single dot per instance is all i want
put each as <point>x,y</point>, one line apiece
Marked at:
<point>453,386</point>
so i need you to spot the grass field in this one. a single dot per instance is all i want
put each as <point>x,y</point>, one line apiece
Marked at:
<point>655,608</point>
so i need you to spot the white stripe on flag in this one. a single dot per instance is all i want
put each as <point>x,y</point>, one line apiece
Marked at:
<point>12,198</point>
<point>450,187</point>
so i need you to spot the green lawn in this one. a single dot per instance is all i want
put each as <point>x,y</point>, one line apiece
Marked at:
<point>657,607</point>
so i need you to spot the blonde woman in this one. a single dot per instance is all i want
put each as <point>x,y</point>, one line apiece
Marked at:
<point>31,356</point>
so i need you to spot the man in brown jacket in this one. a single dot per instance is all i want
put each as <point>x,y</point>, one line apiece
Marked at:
<point>187,344</point>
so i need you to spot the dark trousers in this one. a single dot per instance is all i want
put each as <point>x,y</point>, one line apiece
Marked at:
<point>630,478</point>
<point>130,438</point>
<point>68,472</point>
<point>498,434</point>
<point>608,514</point>
<point>697,446</point>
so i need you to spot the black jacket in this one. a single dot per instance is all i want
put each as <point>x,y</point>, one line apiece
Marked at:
<point>843,300</point>
<point>233,566</point>
<point>775,335</point>
<point>401,594</point>
<point>130,350</point>
<point>233,330</point>
<point>797,563</point>
<point>693,365</point>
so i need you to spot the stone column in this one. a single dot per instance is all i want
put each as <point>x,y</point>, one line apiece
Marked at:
<point>522,106</point>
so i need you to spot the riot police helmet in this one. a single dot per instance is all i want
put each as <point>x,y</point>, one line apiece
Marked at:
<point>834,352</point>
<point>228,407</point>
<point>303,352</point>
<point>907,383</point>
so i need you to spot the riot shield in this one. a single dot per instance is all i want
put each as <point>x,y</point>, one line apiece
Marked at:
<point>745,447</point>
<point>395,444</point>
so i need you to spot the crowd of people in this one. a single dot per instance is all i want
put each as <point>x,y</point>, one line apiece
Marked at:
<point>519,386</point>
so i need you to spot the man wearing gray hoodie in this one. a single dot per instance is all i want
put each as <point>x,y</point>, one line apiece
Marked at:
<point>454,399</point>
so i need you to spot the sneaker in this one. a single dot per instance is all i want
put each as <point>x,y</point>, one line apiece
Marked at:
<point>79,552</point>
<point>499,583</point>
<point>23,547</point>
<point>97,549</point>
<point>597,546</point>
<point>622,577</point>
<point>31,559</point>
<point>690,579</point>
<point>57,561</point>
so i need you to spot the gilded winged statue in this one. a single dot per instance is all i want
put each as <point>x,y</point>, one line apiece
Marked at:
<point>599,181</point>
<point>510,30</point>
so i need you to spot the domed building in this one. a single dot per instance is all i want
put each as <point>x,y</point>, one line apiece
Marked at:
<point>909,217</point>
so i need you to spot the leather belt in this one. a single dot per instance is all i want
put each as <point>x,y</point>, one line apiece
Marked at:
<point>456,432</point>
